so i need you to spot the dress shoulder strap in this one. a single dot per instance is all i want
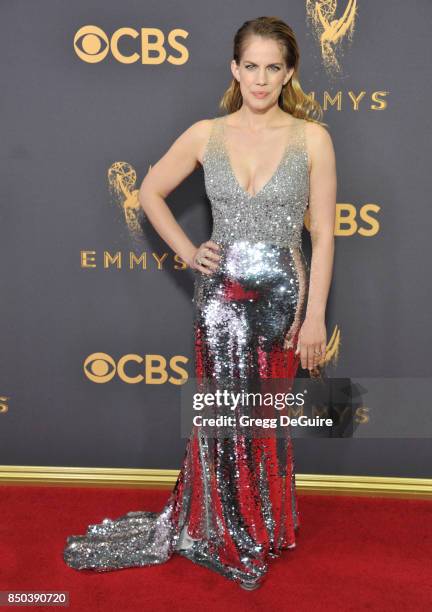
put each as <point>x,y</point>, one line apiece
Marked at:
<point>298,136</point>
<point>301,140</point>
<point>214,137</point>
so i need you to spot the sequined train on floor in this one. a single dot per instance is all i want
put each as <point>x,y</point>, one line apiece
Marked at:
<point>233,507</point>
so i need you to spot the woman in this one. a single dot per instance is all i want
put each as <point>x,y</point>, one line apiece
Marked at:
<point>259,311</point>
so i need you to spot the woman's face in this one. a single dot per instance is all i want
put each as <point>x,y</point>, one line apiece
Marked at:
<point>262,72</point>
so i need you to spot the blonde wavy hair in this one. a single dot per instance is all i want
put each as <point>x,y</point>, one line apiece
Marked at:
<point>292,99</point>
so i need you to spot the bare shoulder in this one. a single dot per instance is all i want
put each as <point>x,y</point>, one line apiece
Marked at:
<point>318,141</point>
<point>197,135</point>
<point>197,131</point>
<point>317,134</point>
<point>200,128</point>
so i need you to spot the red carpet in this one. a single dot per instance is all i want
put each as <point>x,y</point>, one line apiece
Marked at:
<point>353,553</point>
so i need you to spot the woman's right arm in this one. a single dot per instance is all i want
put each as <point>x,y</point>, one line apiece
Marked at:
<point>181,159</point>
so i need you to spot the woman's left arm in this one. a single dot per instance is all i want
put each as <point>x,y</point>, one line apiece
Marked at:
<point>322,214</point>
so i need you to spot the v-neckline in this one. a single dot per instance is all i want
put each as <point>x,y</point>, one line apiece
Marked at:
<point>245,193</point>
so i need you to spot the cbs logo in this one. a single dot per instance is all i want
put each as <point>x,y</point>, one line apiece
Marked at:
<point>92,45</point>
<point>350,220</point>
<point>101,368</point>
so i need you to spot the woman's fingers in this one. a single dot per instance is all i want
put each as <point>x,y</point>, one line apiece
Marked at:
<point>212,245</point>
<point>207,260</point>
<point>201,267</point>
<point>312,357</point>
<point>303,351</point>
<point>323,348</point>
<point>316,354</point>
<point>308,357</point>
<point>211,255</point>
<point>312,352</point>
<point>304,356</point>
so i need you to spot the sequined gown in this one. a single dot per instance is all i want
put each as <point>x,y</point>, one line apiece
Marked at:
<point>234,506</point>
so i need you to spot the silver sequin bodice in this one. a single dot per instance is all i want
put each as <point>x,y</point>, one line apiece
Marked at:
<point>274,214</point>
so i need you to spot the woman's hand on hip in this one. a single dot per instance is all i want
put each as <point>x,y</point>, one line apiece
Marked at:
<point>206,258</point>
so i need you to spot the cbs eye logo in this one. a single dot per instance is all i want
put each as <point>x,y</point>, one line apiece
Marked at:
<point>152,369</point>
<point>92,45</point>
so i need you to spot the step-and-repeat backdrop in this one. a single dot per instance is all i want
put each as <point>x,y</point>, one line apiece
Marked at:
<point>96,310</point>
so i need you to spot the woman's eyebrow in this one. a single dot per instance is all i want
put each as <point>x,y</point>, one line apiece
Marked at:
<point>271,64</point>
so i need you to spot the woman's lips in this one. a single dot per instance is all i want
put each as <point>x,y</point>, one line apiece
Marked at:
<point>260,94</point>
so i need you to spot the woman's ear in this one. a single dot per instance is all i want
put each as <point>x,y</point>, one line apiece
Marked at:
<point>234,70</point>
<point>288,76</point>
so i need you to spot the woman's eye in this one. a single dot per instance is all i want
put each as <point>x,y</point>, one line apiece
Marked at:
<point>275,68</point>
